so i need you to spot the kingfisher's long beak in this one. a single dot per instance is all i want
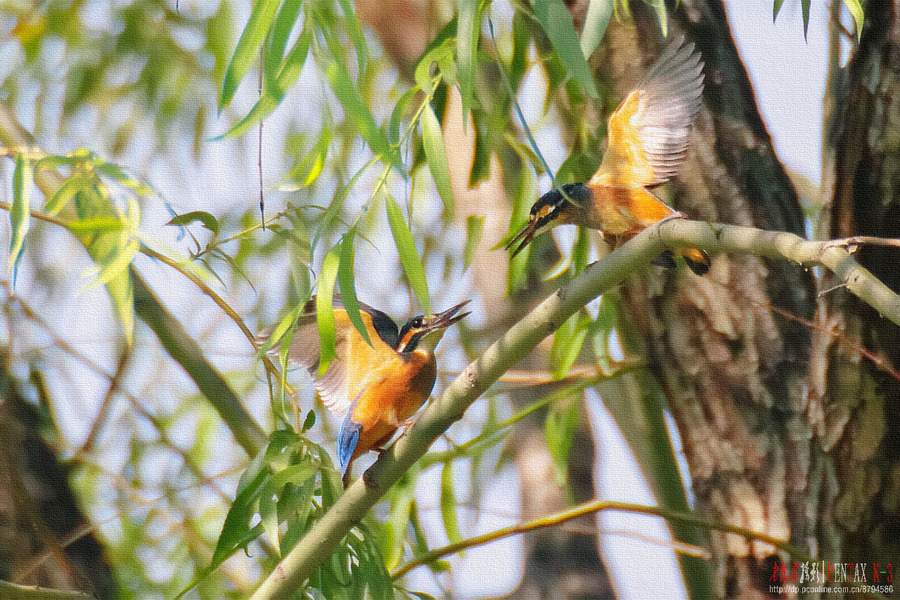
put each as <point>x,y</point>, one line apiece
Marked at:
<point>445,319</point>
<point>523,238</point>
<point>432,330</point>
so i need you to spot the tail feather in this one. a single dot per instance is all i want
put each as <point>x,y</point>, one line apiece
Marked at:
<point>697,260</point>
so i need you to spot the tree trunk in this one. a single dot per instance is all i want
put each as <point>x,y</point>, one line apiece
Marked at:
<point>727,350</point>
<point>863,397</point>
<point>38,512</point>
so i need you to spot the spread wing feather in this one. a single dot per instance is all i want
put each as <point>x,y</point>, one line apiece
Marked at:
<point>648,133</point>
<point>334,386</point>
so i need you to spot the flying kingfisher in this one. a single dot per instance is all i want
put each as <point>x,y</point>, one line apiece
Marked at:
<point>647,142</point>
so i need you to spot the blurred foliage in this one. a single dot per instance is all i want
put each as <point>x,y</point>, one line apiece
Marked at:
<point>363,156</point>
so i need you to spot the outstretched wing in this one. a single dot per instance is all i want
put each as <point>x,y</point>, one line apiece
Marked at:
<point>648,133</point>
<point>339,385</point>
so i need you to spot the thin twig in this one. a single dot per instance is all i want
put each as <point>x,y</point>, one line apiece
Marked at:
<point>592,507</point>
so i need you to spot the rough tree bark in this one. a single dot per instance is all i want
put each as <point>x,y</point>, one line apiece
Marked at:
<point>862,398</point>
<point>726,349</point>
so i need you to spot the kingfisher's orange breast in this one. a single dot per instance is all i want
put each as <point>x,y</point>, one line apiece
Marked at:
<point>391,395</point>
<point>618,210</point>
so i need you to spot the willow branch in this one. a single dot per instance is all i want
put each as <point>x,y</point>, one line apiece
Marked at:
<point>148,308</point>
<point>12,591</point>
<point>592,507</point>
<point>318,544</point>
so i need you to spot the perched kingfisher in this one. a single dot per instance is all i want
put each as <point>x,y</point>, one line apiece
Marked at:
<point>647,140</point>
<point>379,386</point>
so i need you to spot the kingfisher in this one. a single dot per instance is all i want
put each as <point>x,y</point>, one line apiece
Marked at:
<point>647,140</point>
<point>376,387</point>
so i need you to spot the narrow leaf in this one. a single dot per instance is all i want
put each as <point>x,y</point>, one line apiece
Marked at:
<point>325,309</point>
<point>409,256</point>
<point>237,521</point>
<point>248,46</point>
<point>556,20</point>
<point>281,32</point>
<point>95,225</point>
<point>348,286</point>
<point>474,229</point>
<point>275,89</point>
<point>435,152</point>
<point>467,51</point>
<point>526,194</point>
<point>310,166</point>
<point>122,176</point>
<point>206,219</point>
<point>357,111</point>
<point>268,514</point>
<point>398,113</point>
<point>804,7</point>
<point>448,504</point>
<point>20,211</point>
<point>354,29</point>
<point>856,11</point>
<point>402,497</point>
<point>115,263</point>
<point>595,22</point>
<point>66,192</point>
<point>54,162</point>
<point>559,430</point>
<point>776,8</point>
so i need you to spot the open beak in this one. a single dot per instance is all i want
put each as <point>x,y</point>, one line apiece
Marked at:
<point>523,238</point>
<point>445,319</point>
<point>432,330</point>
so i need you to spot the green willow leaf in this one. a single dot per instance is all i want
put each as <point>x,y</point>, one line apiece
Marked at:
<point>435,152</point>
<point>310,166</point>
<point>275,88</point>
<point>468,29</point>
<point>474,229</point>
<point>354,30</point>
<point>206,219</point>
<point>66,192</point>
<point>804,8</point>
<point>357,111</point>
<point>247,49</point>
<point>776,8</point>
<point>348,286</point>
<point>95,225</point>
<point>856,11</point>
<point>559,430</point>
<point>325,309</point>
<point>448,504</point>
<point>662,17</point>
<point>556,20</point>
<point>398,113</point>
<point>281,32</point>
<point>20,211</point>
<point>409,256</point>
<point>595,22</point>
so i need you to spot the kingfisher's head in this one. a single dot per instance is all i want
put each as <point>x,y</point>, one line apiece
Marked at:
<point>425,331</point>
<point>552,209</point>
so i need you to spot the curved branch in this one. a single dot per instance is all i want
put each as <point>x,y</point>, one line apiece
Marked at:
<point>323,538</point>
